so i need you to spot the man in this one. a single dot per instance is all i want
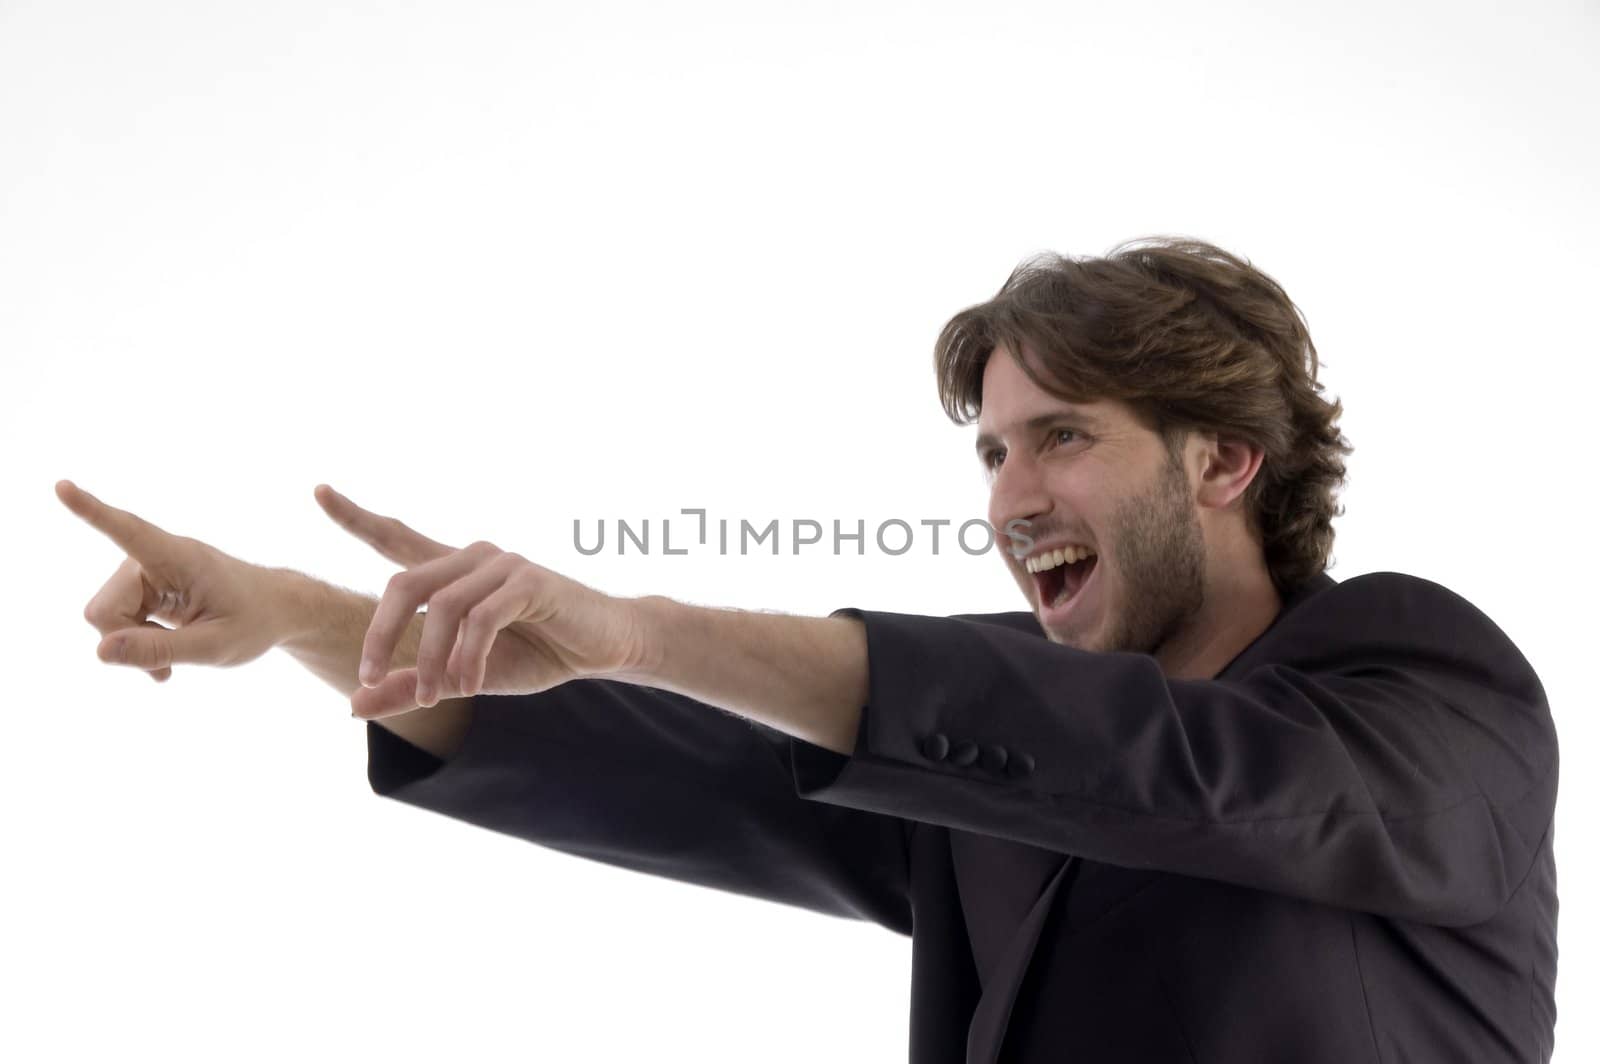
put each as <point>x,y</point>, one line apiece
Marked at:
<point>1200,803</point>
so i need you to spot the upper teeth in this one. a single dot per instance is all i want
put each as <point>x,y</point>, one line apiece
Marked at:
<point>1051,559</point>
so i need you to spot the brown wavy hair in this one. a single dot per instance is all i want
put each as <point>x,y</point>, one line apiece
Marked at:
<point>1191,338</point>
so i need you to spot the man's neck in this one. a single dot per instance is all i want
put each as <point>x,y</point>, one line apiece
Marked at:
<point>1236,611</point>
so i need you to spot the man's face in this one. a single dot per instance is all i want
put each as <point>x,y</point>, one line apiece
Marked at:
<point>1090,475</point>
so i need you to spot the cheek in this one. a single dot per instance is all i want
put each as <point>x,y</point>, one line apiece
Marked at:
<point>1004,542</point>
<point>995,517</point>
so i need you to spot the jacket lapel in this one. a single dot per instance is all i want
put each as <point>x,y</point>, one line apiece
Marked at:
<point>998,880</point>
<point>1002,981</point>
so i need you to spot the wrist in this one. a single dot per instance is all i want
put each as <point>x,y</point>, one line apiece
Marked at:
<point>290,604</point>
<point>649,620</point>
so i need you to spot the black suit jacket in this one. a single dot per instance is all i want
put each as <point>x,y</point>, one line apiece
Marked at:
<point>1338,850</point>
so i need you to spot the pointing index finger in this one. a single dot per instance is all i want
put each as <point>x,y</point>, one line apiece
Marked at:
<point>389,536</point>
<point>135,535</point>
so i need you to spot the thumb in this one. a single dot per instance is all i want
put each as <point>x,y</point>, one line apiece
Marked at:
<point>155,646</point>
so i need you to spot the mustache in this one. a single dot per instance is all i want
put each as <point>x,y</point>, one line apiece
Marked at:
<point>1023,535</point>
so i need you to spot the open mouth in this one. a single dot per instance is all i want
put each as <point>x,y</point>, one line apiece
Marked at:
<point>1059,585</point>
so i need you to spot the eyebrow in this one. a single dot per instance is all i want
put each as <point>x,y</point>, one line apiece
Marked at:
<point>1039,421</point>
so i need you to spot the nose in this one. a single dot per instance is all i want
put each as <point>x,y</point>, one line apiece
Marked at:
<point>1017,493</point>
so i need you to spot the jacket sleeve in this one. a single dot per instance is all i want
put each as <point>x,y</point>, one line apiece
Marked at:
<point>1384,747</point>
<point>655,782</point>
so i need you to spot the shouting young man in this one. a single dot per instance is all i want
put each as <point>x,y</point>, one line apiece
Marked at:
<point>1199,803</point>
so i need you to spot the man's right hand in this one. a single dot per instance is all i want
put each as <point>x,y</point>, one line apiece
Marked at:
<point>223,611</point>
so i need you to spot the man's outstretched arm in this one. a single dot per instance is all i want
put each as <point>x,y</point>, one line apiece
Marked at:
<point>803,676</point>
<point>499,624</point>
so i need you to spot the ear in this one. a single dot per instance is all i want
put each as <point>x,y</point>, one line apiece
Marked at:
<point>1226,466</point>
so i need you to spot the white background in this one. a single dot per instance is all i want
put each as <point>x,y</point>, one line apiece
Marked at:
<point>490,268</point>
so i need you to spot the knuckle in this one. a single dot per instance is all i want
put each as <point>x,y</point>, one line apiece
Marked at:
<point>445,602</point>
<point>104,618</point>
<point>473,624</point>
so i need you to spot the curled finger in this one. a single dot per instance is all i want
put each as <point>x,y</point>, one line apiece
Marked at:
<point>482,626</point>
<point>441,630</point>
<point>405,595</point>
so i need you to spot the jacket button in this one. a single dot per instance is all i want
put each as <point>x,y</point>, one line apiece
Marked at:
<point>1020,765</point>
<point>965,754</point>
<point>935,746</point>
<point>994,758</point>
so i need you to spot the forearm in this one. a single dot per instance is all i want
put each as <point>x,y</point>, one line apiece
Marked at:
<point>804,676</point>
<point>325,629</point>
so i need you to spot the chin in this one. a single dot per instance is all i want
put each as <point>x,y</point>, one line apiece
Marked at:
<point>1058,635</point>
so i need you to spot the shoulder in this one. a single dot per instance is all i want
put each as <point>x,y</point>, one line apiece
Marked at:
<point>1391,604</point>
<point>1381,622</point>
<point>1393,587</point>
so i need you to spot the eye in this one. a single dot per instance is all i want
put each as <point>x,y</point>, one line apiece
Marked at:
<point>1064,432</point>
<point>991,459</point>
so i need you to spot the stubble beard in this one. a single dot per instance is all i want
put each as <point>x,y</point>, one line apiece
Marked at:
<point>1160,565</point>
